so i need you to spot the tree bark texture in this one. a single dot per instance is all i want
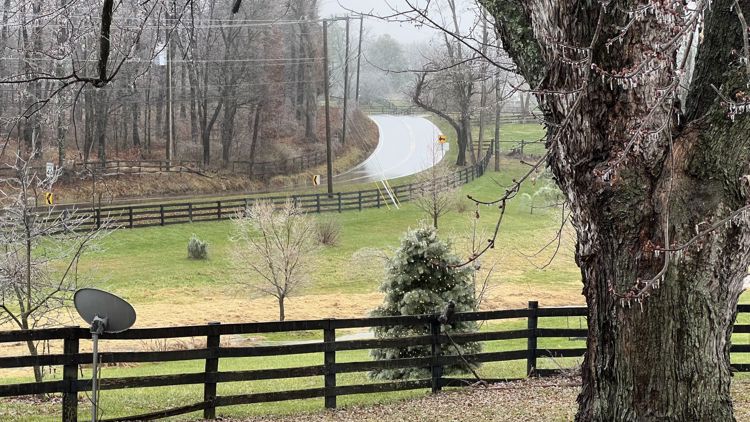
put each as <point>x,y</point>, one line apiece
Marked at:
<point>640,182</point>
<point>227,128</point>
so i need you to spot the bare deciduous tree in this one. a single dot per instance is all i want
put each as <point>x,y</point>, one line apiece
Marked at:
<point>437,191</point>
<point>276,245</point>
<point>39,255</point>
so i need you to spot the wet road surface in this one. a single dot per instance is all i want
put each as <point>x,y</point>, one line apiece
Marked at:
<point>408,145</point>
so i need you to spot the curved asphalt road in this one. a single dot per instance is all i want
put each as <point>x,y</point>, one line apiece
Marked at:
<point>407,146</point>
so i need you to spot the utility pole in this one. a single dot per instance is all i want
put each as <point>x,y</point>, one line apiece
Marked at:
<point>359,54</point>
<point>346,83</point>
<point>170,111</point>
<point>329,158</point>
<point>483,100</point>
<point>498,98</point>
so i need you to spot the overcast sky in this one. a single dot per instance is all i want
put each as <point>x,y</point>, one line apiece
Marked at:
<point>403,32</point>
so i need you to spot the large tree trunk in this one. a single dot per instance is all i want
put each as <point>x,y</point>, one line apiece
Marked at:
<point>102,117</point>
<point>147,118</point>
<point>88,116</point>
<point>498,108</point>
<point>661,250</point>
<point>161,104</point>
<point>135,111</point>
<point>193,111</point>
<point>309,77</point>
<point>207,124</point>
<point>227,128</point>
<point>256,129</point>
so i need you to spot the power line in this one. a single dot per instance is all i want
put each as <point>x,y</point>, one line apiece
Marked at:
<point>139,60</point>
<point>212,24</point>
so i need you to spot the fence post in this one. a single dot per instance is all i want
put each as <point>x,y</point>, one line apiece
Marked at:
<point>377,195</point>
<point>190,212</point>
<point>130,217</point>
<point>436,367</point>
<point>339,201</point>
<point>317,204</point>
<point>212,367</point>
<point>531,340</point>
<point>161,214</point>
<point>359,200</point>
<point>70,377</point>
<point>218,210</point>
<point>98,218</point>
<point>329,362</point>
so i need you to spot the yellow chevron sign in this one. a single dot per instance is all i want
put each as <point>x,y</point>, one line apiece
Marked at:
<point>49,198</point>
<point>316,180</point>
<point>442,139</point>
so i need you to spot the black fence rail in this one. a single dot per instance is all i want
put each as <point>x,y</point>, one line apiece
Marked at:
<point>134,216</point>
<point>70,385</point>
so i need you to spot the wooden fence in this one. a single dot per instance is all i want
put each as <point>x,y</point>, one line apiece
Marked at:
<point>267,169</point>
<point>435,337</point>
<point>134,216</point>
<point>118,167</point>
<point>259,169</point>
<point>519,149</point>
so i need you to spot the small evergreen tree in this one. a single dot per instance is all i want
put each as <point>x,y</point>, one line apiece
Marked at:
<point>421,279</point>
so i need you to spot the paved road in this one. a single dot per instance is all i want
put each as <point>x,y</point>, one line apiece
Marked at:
<point>407,146</point>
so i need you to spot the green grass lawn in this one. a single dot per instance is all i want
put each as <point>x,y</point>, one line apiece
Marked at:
<point>141,263</point>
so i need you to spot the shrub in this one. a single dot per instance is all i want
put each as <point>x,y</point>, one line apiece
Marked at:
<point>462,206</point>
<point>328,231</point>
<point>197,249</point>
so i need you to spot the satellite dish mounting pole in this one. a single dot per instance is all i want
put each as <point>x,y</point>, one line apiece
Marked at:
<point>97,327</point>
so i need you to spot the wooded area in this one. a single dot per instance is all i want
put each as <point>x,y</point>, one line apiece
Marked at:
<point>190,72</point>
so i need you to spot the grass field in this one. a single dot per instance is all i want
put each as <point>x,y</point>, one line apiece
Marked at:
<point>150,267</point>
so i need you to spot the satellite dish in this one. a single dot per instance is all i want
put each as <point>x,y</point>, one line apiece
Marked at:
<point>93,303</point>
<point>106,313</point>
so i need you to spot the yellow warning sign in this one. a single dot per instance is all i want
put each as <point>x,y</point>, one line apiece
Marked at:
<point>49,198</point>
<point>442,139</point>
<point>316,180</point>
